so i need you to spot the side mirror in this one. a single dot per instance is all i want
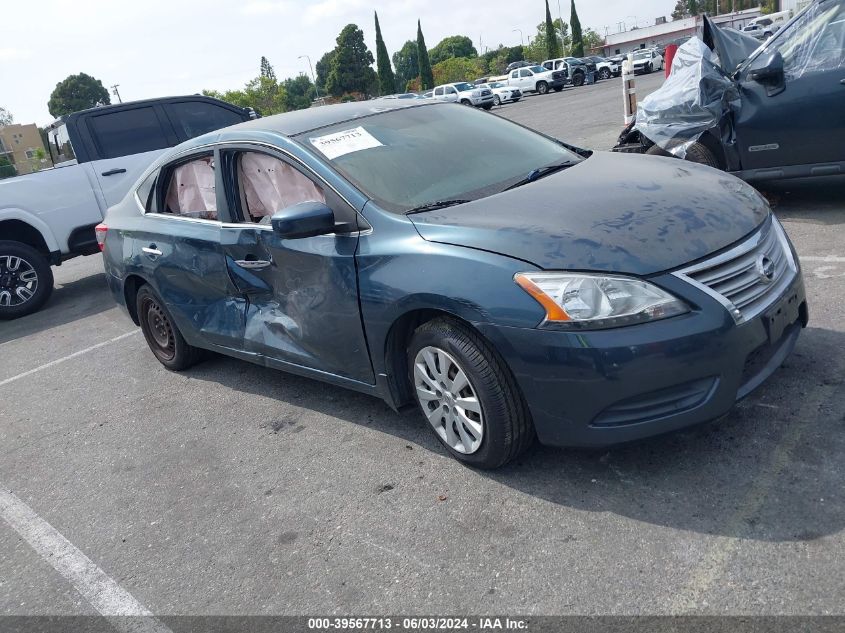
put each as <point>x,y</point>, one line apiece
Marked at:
<point>305,219</point>
<point>770,70</point>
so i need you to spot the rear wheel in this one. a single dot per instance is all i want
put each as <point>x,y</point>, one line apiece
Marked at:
<point>578,79</point>
<point>468,395</point>
<point>604,73</point>
<point>696,153</point>
<point>542,87</point>
<point>487,106</point>
<point>166,342</point>
<point>26,280</point>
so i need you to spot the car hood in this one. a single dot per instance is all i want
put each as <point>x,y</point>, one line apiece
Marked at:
<point>612,212</point>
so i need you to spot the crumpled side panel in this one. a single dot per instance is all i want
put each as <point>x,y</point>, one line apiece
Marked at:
<point>692,101</point>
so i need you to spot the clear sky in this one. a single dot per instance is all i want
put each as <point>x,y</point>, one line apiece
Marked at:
<point>155,48</point>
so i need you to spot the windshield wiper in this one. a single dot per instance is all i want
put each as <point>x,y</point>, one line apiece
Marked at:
<point>437,204</point>
<point>536,174</point>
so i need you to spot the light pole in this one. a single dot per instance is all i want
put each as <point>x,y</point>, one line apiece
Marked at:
<point>313,76</point>
<point>521,41</point>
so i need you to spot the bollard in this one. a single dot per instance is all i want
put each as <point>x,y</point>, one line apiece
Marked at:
<point>629,90</point>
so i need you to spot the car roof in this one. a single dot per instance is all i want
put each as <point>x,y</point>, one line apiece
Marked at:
<point>299,121</point>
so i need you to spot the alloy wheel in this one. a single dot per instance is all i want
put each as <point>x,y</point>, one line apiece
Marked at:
<point>18,281</point>
<point>448,399</point>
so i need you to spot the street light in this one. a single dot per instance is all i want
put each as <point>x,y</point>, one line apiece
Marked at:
<point>521,41</point>
<point>313,76</point>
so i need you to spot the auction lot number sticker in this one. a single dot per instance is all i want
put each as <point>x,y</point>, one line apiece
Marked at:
<point>345,142</point>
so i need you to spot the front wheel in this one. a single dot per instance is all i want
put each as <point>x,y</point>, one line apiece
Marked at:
<point>578,79</point>
<point>542,87</point>
<point>487,106</point>
<point>26,280</point>
<point>466,102</point>
<point>468,395</point>
<point>649,69</point>
<point>604,73</point>
<point>164,338</point>
<point>496,100</point>
<point>696,153</point>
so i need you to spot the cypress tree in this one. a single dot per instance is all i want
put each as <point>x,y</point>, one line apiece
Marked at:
<point>426,76</point>
<point>386,80</point>
<point>577,48</point>
<point>552,48</point>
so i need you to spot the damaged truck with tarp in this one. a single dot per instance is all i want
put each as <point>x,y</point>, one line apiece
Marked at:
<point>761,112</point>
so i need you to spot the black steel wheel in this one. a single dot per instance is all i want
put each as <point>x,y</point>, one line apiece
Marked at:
<point>163,337</point>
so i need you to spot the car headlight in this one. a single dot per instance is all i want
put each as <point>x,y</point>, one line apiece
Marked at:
<point>591,301</point>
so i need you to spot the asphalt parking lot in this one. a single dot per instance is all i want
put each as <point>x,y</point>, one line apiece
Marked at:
<point>233,489</point>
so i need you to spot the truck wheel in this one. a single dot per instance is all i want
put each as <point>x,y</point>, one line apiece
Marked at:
<point>468,395</point>
<point>696,153</point>
<point>26,280</point>
<point>164,338</point>
<point>578,79</point>
<point>604,73</point>
<point>542,87</point>
<point>466,102</point>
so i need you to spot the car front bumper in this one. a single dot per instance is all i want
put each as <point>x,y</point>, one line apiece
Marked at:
<point>603,387</point>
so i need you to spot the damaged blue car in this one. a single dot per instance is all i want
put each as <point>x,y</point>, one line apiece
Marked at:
<point>507,299</point>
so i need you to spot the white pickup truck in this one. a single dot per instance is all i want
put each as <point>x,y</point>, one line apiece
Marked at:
<point>466,93</point>
<point>49,216</point>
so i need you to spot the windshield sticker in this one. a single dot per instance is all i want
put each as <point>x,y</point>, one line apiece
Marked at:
<point>346,142</point>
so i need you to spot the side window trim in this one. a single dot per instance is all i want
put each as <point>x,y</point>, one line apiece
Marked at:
<point>163,183</point>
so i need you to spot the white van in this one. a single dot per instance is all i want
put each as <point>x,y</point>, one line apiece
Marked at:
<point>767,25</point>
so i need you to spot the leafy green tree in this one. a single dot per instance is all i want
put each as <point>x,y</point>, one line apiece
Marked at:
<point>454,46</point>
<point>592,40</point>
<point>407,64</point>
<point>386,79</point>
<point>537,51</point>
<point>458,69</point>
<point>323,67</point>
<point>6,117</point>
<point>298,93</point>
<point>77,92</point>
<point>577,47</point>
<point>350,67</point>
<point>552,42</point>
<point>426,76</point>
<point>267,70</point>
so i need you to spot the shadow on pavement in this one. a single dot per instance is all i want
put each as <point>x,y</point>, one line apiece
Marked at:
<point>771,470</point>
<point>70,302</point>
<point>818,200</point>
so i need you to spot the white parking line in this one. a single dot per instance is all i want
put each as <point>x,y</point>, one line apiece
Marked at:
<point>125,613</point>
<point>67,358</point>
<point>822,258</point>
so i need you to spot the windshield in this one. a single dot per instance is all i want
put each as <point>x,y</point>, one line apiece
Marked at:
<point>463,87</point>
<point>496,85</point>
<point>416,156</point>
<point>642,55</point>
<point>538,69</point>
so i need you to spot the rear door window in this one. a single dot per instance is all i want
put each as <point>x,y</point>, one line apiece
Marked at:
<point>127,132</point>
<point>189,189</point>
<point>194,118</point>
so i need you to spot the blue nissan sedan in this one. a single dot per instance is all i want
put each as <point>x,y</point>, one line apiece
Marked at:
<point>506,283</point>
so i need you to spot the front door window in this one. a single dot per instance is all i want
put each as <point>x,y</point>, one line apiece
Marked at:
<point>815,42</point>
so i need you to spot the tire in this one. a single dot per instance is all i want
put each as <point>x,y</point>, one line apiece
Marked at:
<point>165,340</point>
<point>578,79</point>
<point>466,102</point>
<point>501,429</point>
<point>696,153</point>
<point>26,280</point>
<point>558,88</point>
<point>649,69</point>
<point>542,87</point>
<point>488,106</point>
<point>604,73</point>
<point>496,100</point>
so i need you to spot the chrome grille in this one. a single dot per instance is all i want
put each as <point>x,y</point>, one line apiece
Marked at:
<point>749,277</point>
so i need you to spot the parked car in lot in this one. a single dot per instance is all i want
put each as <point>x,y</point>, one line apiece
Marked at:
<point>762,113</point>
<point>503,93</point>
<point>574,70</point>
<point>767,25</point>
<point>49,216</point>
<point>537,79</point>
<point>605,68</point>
<point>360,244</point>
<point>466,93</point>
<point>647,61</point>
<point>520,64</point>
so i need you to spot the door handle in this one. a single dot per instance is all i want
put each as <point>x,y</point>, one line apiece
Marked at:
<point>253,264</point>
<point>112,172</point>
<point>151,250</point>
